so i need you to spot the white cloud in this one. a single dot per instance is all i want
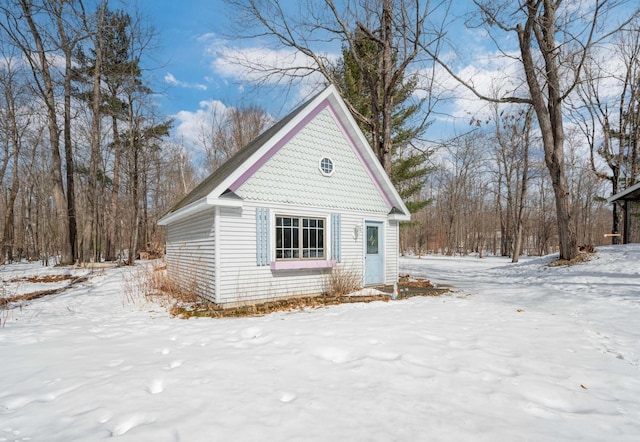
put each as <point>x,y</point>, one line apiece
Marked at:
<point>170,79</point>
<point>492,74</point>
<point>260,64</point>
<point>252,64</point>
<point>204,38</point>
<point>189,125</point>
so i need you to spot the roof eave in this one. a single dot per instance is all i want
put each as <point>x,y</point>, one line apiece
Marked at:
<point>195,207</point>
<point>399,217</point>
<point>198,206</point>
<point>621,195</point>
<point>241,173</point>
<point>224,201</point>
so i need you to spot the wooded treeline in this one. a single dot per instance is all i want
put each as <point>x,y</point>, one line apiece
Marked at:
<point>561,62</point>
<point>84,168</point>
<point>88,164</point>
<point>490,194</point>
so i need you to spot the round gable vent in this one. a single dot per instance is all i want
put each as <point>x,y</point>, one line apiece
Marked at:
<point>326,166</point>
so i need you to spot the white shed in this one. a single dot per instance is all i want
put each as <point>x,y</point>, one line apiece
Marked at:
<point>304,198</point>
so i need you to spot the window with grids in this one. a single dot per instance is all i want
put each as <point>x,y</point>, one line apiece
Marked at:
<point>326,166</point>
<point>300,238</point>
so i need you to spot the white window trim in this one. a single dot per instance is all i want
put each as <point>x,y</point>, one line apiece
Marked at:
<point>325,243</point>
<point>333,166</point>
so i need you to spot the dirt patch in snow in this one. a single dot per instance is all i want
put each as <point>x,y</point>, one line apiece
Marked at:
<point>406,289</point>
<point>579,259</point>
<point>42,278</point>
<point>5,302</point>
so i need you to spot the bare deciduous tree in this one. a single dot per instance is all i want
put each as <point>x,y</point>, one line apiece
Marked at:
<point>15,120</point>
<point>79,56</point>
<point>552,70</point>
<point>396,29</point>
<point>94,27</point>
<point>28,33</point>
<point>609,117</point>
<point>228,130</point>
<point>512,140</point>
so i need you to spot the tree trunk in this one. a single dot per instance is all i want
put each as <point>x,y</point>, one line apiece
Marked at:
<point>9,221</point>
<point>110,242</point>
<point>521,202</point>
<point>387,85</point>
<point>67,45</point>
<point>135,183</point>
<point>41,68</point>
<point>11,138</point>
<point>549,113</point>
<point>68,151</point>
<point>135,225</point>
<point>91,247</point>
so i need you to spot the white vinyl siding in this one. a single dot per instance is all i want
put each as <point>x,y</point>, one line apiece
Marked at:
<point>242,281</point>
<point>238,268</point>
<point>392,235</point>
<point>292,176</point>
<point>191,251</point>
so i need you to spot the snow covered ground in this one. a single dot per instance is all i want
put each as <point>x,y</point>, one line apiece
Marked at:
<point>517,352</point>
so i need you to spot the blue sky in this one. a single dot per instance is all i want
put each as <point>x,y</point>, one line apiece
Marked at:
<point>193,76</point>
<point>182,60</point>
<point>190,73</point>
<point>188,33</point>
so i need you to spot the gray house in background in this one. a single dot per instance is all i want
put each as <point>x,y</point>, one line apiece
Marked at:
<point>627,198</point>
<point>305,197</point>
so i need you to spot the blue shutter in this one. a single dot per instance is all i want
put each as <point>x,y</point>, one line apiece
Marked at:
<point>263,220</point>
<point>336,224</point>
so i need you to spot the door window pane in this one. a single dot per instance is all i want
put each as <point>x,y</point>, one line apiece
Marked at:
<point>372,240</point>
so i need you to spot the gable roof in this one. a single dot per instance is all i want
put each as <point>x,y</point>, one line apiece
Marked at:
<point>629,194</point>
<point>217,189</point>
<point>212,181</point>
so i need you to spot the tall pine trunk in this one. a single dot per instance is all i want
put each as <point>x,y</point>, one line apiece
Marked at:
<point>110,241</point>
<point>135,183</point>
<point>91,236</point>
<point>68,153</point>
<point>387,85</point>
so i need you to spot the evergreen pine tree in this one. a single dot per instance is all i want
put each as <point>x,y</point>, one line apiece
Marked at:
<point>409,169</point>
